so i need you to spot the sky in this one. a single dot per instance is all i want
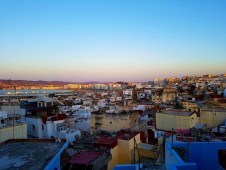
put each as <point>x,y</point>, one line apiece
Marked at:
<point>111,40</point>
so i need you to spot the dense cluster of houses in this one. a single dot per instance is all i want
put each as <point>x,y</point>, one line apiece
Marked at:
<point>119,123</point>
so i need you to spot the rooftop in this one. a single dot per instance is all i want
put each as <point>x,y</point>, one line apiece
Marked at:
<point>111,141</point>
<point>108,142</point>
<point>199,155</point>
<point>126,135</point>
<point>27,153</point>
<point>216,109</point>
<point>84,157</point>
<point>177,112</point>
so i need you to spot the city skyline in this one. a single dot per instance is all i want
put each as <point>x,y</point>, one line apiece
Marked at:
<point>109,41</point>
<point>41,82</point>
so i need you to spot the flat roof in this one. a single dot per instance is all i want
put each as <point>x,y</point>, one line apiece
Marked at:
<point>146,146</point>
<point>217,109</point>
<point>108,142</point>
<point>27,154</point>
<point>127,135</point>
<point>85,157</point>
<point>111,142</point>
<point>177,112</point>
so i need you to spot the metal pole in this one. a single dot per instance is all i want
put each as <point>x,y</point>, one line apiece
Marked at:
<point>138,155</point>
<point>14,110</point>
<point>172,134</point>
<point>13,118</point>
<point>187,151</point>
<point>134,160</point>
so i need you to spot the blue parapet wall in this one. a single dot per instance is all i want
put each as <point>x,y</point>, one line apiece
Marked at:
<point>128,167</point>
<point>201,156</point>
<point>185,166</point>
<point>55,162</point>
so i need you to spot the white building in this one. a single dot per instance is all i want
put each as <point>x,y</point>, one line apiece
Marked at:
<point>82,113</point>
<point>138,85</point>
<point>87,102</point>
<point>140,94</point>
<point>102,103</point>
<point>159,81</point>
<point>140,107</point>
<point>128,94</point>
<point>51,128</point>
<point>119,98</point>
<point>3,114</point>
<point>147,93</point>
<point>100,87</point>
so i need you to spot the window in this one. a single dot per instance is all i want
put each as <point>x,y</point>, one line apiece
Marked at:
<point>2,121</point>
<point>63,128</point>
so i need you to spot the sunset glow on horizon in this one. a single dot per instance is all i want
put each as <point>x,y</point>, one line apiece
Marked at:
<point>114,40</point>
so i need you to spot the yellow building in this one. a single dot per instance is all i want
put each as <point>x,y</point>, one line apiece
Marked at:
<point>173,80</point>
<point>117,86</point>
<point>73,86</point>
<point>148,150</point>
<point>122,148</point>
<point>18,131</point>
<point>212,117</point>
<point>114,121</point>
<point>189,106</point>
<point>176,119</point>
<point>169,95</point>
<point>224,83</point>
<point>216,102</point>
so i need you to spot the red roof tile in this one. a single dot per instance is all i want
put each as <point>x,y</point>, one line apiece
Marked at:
<point>84,157</point>
<point>126,136</point>
<point>108,142</point>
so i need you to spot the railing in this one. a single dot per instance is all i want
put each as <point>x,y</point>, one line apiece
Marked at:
<point>136,146</point>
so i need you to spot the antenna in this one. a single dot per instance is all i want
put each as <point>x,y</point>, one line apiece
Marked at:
<point>14,86</point>
<point>14,110</point>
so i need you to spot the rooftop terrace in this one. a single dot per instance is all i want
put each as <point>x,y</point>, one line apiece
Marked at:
<point>177,112</point>
<point>27,154</point>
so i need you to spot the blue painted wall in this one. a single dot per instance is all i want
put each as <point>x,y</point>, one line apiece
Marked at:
<point>184,166</point>
<point>55,162</point>
<point>205,155</point>
<point>173,160</point>
<point>202,154</point>
<point>127,167</point>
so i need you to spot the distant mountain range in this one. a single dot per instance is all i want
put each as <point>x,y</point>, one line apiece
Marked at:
<point>41,82</point>
<point>93,82</point>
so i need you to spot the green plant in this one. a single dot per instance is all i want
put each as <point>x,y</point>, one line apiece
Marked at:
<point>181,151</point>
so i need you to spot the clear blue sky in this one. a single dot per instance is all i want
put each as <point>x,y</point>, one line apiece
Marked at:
<point>111,40</point>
